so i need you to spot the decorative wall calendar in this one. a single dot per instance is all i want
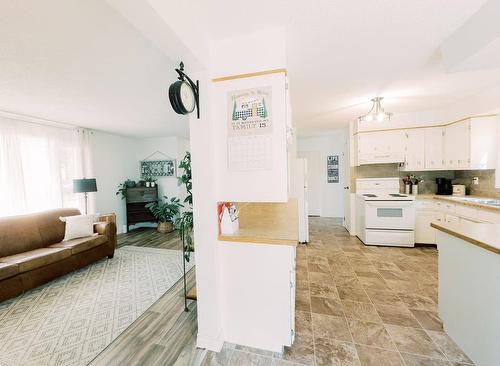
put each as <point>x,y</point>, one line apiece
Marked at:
<point>249,137</point>
<point>332,168</point>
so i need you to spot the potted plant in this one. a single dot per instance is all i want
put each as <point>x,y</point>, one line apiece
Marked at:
<point>184,222</point>
<point>165,212</point>
<point>152,182</point>
<point>122,189</point>
<point>415,180</point>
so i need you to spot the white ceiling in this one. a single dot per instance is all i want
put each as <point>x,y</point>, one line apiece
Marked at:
<point>80,62</point>
<point>83,63</point>
<point>343,53</point>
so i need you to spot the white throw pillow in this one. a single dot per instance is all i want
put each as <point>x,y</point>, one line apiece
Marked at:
<point>79,226</point>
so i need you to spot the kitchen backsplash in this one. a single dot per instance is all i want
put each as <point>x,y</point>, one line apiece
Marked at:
<point>428,186</point>
<point>486,186</point>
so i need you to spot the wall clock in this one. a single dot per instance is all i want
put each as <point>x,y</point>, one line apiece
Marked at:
<point>184,94</point>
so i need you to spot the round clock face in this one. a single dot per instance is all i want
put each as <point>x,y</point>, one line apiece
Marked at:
<point>187,97</point>
<point>182,97</point>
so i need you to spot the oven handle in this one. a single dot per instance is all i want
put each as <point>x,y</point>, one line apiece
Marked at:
<point>392,204</point>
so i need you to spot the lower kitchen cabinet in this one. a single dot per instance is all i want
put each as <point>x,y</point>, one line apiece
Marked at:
<point>258,296</point>
<point>424,233</point>
<point>428,210</point>
<point>452,219</point>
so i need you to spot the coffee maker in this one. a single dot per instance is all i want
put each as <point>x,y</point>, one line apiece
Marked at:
<point>444,186</point>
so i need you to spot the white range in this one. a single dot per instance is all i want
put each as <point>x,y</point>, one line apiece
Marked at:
<point>383,215</point>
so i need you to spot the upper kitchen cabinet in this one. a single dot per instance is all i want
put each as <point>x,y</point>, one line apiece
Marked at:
<point>470,144</point>
<point>457,145</point>
<point>415,149</point>
<point>483,142</point>
<point>380,147</point>
<point>466,144</point>
<point>433,148</point>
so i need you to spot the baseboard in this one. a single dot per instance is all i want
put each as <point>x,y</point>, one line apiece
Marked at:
<point>210,343</point>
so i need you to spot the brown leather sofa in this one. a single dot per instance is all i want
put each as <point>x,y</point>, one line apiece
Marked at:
<point>32,251</point>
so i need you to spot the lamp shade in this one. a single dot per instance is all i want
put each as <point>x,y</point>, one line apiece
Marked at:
<point>84,185</point>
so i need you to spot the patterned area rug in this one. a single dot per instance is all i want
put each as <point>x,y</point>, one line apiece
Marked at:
<point>71,319</point>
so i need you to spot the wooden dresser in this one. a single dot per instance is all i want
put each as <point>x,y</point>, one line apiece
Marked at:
<point>137,199</point>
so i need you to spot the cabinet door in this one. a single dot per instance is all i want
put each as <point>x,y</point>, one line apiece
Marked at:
<point>483,140</point>
<point>424,233</point>
<point>457,145</point>
<point>434,142</point>
<point>415,149</point>
<point>452,219</point>
<point>393,141</point>
<point>367,143</point>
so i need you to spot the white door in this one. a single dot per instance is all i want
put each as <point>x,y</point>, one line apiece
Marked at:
<point>313,181</point>
<point>346,173</point>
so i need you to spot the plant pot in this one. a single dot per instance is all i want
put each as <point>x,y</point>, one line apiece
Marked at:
<point>153,184</point>
<point>148,184</point>
<point>165,227</point>
<point>414,189</point>
<point>407,189</point>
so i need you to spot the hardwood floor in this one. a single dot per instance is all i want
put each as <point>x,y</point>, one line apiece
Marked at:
<point>165,334</point>
<point>149,237</point>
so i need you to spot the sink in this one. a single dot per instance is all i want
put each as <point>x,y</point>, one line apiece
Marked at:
<point>483,201</point>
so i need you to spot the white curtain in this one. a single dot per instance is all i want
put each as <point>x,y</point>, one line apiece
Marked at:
<point>37,166</point>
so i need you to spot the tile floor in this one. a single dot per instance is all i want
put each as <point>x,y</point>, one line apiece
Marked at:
<point>359,305</point>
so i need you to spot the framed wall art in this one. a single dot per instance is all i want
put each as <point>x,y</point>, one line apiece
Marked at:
<point>332,168</point>
<point>157,168</point>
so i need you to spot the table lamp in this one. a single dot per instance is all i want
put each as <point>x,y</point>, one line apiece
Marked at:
<point>84,186</point>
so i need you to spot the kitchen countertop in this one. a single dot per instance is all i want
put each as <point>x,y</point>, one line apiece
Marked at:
<point>461,200</point>
<point>266,223</point>
<point>486,236</point>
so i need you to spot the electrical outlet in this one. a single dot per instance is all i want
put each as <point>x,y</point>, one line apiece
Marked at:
<point>475,180</point>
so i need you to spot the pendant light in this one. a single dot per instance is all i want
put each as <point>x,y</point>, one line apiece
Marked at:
<point>376,113</point>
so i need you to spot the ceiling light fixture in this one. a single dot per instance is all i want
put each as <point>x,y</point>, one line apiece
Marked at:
<point>376,113</point>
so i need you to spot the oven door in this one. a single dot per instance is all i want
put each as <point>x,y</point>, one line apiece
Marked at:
<point>391,215</point>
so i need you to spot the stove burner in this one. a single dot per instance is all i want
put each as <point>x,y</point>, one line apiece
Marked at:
<point>397,195</point>
<point>370,195</point>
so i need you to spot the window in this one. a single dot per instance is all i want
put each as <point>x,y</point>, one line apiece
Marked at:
<point>37,167</point>
<point>389,212</point>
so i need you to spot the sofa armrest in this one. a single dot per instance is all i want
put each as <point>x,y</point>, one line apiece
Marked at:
<point>111,217</point>
<point>108,229</point>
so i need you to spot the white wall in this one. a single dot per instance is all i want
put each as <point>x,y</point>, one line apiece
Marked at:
<point>225,59</point>
<point>332,194</point>
<point>114,161</point>
<point>117,158</point>
<point>157,148</point>
<point>264,50</point>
